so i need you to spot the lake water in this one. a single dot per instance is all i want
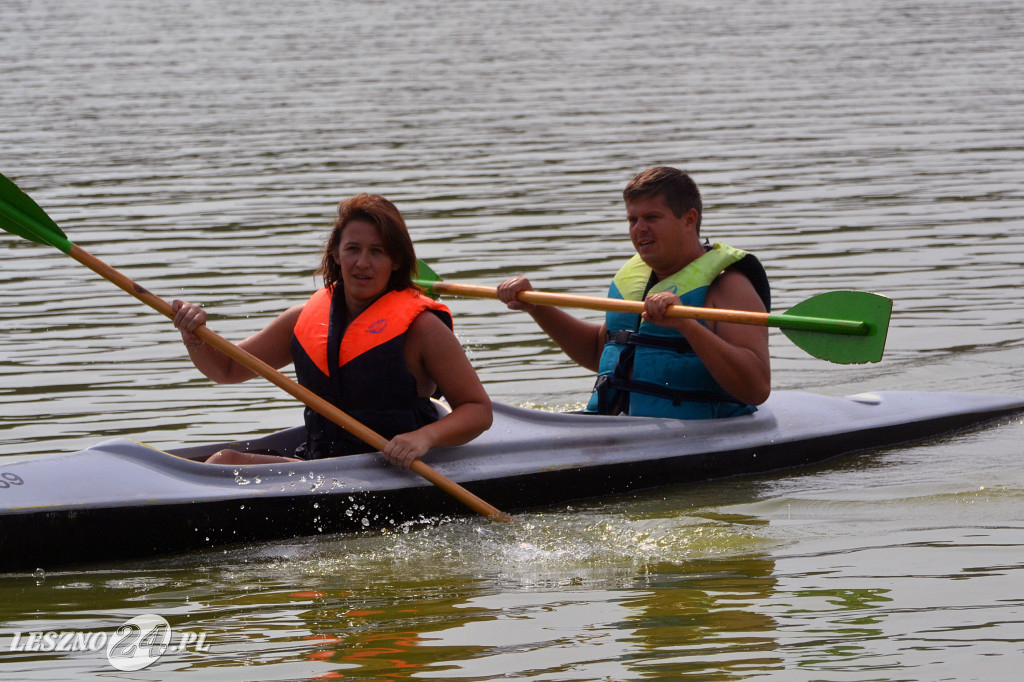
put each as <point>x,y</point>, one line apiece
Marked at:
<point>201,148</point>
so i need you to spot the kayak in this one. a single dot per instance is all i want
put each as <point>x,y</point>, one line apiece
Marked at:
<point>121,500</point>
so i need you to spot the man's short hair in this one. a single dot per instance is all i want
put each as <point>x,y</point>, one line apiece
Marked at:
<point>678,189</point>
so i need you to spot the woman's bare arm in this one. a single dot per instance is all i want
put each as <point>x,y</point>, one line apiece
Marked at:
<point>436,357</point>
<point>272,344</point>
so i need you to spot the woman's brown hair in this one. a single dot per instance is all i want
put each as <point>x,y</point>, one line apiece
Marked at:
<point>394,235</point>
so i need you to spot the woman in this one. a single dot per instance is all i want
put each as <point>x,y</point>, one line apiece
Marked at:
<point>363,343</point>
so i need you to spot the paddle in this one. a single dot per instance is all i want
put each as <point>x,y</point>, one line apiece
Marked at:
<point>20,215</point>
<point>845,327</point>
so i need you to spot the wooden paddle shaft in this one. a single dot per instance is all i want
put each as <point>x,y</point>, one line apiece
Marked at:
<point>615,305</point>
<point>607,304</point>
<point>291,387</point>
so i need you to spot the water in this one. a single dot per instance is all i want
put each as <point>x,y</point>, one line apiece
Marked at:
<point>200,148</point>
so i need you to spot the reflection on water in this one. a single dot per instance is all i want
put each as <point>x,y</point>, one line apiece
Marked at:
<point>200,148</point>
<point>425,601</point>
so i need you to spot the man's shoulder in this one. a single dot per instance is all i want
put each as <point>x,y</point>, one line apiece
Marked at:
<point>749,269</point>
<point>732,277</point>
<point>733,289</point>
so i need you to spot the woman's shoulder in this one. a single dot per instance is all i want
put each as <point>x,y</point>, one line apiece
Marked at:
<point>284,324</point>
<point>428,335</point>
<point>293,313</point>
<point>429,323</point>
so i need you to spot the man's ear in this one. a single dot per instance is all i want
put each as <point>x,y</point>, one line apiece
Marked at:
<point>692,218</point>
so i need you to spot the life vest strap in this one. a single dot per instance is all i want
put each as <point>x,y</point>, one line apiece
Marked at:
<point>627,337</point>
<point>621,381</point>
<point>607,383</point>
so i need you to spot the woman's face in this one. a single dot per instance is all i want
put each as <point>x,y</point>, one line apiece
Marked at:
<point>365,265</point>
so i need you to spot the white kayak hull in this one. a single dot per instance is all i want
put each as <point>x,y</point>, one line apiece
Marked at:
<point>121,500</point>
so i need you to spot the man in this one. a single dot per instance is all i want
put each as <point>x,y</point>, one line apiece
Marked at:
<point>653,365</point>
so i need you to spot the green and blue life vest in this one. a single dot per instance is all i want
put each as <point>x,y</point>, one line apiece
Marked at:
<point>651,371</point>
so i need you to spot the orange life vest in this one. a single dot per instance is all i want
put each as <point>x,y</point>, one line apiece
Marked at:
<point>360,368</point>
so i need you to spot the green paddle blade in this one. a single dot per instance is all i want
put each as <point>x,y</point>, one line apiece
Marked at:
<point>425,277</point>
<point>865,345</point>
<point>23,217</point>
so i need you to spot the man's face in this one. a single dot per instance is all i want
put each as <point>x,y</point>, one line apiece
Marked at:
<point>666,243</point>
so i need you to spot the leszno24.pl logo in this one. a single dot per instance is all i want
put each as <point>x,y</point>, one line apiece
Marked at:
<point>135,645</point>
